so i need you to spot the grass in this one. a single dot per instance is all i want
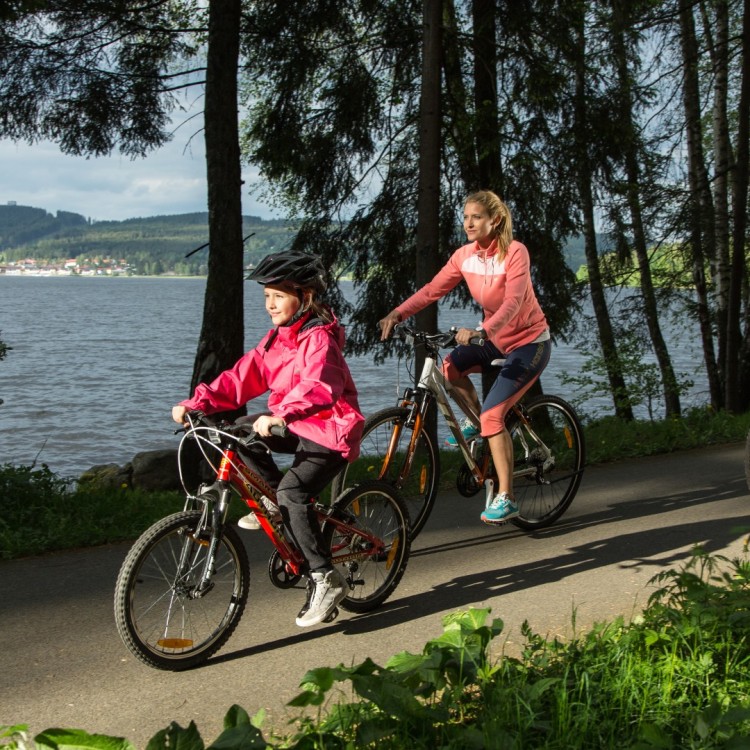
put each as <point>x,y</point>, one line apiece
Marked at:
<point>41,512</point>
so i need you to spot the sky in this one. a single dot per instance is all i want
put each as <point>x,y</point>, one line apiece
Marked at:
<point>171,180</point>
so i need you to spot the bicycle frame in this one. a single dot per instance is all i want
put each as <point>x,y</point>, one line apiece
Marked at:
<point>434,387</point>
<point>232,475</point>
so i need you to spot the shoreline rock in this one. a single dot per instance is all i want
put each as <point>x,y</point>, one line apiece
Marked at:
<point>152,471</point>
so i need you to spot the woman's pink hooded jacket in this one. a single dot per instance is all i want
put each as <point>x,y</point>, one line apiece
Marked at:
<point>512,315</point>
<point>310,383</point>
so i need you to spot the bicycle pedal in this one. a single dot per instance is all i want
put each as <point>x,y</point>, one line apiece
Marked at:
<point>334,614</point>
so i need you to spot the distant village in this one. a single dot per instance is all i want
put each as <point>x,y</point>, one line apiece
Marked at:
<point>72,267</point>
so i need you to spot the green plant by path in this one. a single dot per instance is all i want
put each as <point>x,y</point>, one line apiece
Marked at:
<point>42,512</point>
<point>676,677</point>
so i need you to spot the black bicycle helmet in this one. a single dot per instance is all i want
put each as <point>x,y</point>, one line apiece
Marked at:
<point>299,269</point>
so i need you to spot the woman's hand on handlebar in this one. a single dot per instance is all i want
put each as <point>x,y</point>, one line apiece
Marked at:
<point>387,323</point>
<point>263,424</point>
<point>464,336</point>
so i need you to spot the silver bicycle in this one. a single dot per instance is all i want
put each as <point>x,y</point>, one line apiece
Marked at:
<point>548,445</point>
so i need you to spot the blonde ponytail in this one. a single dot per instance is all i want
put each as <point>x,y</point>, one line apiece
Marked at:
<point>498,211</point>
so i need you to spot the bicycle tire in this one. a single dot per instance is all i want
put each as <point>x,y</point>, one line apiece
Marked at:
<point>546,492</point>
<point>156,618</point>
<point>420,488</point>
<point>375,507</point>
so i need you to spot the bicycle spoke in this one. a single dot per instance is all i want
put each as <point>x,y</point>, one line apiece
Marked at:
<point>548,460</point>
<point>160,615</point>
<point>375,569</point>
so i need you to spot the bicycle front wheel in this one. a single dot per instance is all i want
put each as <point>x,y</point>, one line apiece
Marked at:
<point>160,614</point>
<point>549,457</point>
<point>375,570</point>
<point>419,487</point>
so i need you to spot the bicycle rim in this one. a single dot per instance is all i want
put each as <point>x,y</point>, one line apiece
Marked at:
<point>419,489</point>
<point>547,476</point>
<point>158,616</point>
<point>376,509</point>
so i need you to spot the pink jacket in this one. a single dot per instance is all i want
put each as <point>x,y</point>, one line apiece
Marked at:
<point>310,383</point>
<point>512,315</point>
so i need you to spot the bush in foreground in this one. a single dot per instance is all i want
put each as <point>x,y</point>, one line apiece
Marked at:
<point>677,677</point>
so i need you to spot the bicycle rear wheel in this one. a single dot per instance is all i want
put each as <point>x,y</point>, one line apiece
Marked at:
<point>549,456</point>
<point>375,508</point>
<point>419,489</point>
<point>159,614</point>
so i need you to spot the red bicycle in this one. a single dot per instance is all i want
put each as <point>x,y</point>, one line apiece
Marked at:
<point>183,586</point>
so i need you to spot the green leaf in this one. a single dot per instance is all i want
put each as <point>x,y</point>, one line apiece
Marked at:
<point>405,662</point>
<point>538,688</point>
<point>242,737</point>
<point>8,731</point>
<point>174,737</point>
<point>73,739</point>
<point>235,717</point>
<point>392,698</point>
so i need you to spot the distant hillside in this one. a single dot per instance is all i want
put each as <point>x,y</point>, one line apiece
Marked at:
<point>150,245</point>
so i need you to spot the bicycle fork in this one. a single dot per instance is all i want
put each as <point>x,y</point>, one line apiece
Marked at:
<point>212,520</point>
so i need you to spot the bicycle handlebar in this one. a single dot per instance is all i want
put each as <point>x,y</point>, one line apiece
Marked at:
<point>244,433</point>
<point>441,339</point>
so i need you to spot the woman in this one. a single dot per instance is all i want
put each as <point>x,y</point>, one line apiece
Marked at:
<point>496,269</point>
<point>300,362</point>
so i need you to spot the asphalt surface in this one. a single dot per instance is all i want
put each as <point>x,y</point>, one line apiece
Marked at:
<point>62,663</point>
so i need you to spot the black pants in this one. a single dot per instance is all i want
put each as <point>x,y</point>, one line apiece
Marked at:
<point>312,470</point>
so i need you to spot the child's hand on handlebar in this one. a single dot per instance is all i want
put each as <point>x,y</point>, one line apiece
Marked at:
<point>387,323</point>
<point>178,413</point>
<point>263,424</point>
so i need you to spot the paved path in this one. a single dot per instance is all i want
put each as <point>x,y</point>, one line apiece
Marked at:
<point>62,663</point>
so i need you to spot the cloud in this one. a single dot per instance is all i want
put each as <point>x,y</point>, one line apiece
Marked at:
<point>171,180</point>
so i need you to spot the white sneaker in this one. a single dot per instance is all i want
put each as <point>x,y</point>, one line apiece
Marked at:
<point>329,589</point>
<point>251,522</point>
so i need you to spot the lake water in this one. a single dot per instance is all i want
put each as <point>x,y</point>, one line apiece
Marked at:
<point>97,364</point>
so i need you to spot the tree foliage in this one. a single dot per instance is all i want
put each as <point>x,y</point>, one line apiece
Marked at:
<point>91,76</point>
<point>336,130</point>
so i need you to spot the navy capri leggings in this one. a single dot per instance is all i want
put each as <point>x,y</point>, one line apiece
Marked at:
<point>522,367</point>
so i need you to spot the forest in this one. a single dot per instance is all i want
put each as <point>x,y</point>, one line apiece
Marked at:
<point>621,122</point>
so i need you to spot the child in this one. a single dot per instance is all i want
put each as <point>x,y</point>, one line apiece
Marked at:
<point>312,393</point>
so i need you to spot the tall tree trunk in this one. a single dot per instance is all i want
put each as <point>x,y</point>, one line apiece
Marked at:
<point>459,122</point>
<point>222,334</point>
<point>428,200</point>
<point>625,117</point>
<point>701,206</point>
<point>736,397</point>
<point>716,32</point>
<point>487,130</point>
<point>617,385</point>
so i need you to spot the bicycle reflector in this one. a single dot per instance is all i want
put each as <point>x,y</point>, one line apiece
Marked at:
<point>174,643</point>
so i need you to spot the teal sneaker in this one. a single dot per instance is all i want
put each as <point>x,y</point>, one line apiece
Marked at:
<point>501,509</point>
<point>467,430</point>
